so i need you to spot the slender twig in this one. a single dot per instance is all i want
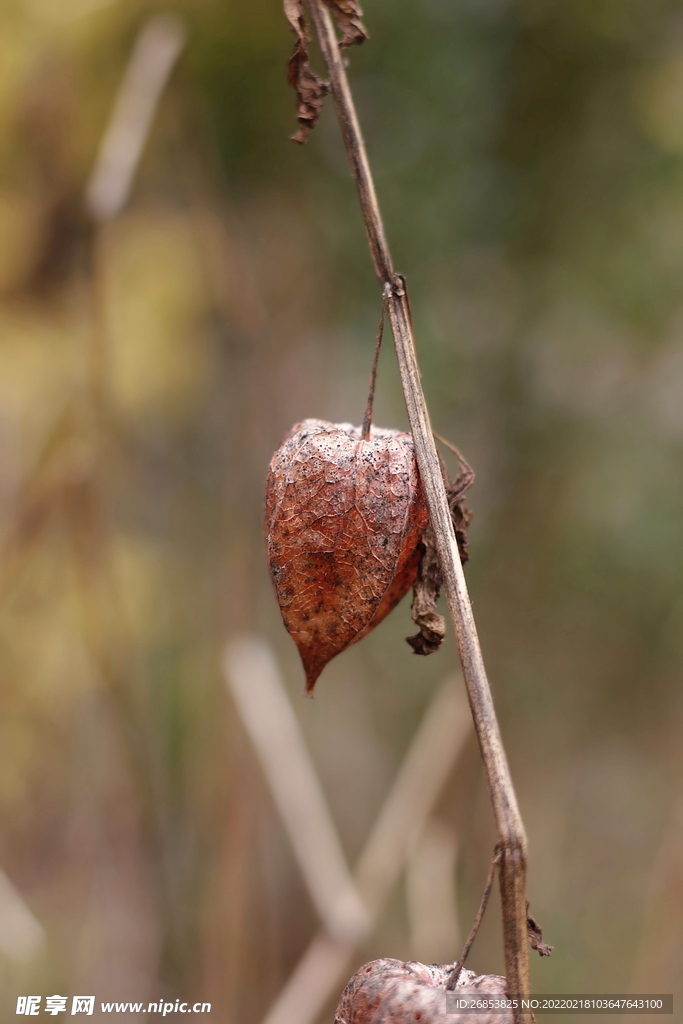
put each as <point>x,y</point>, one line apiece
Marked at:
<point>512,839</point>
<point>462,461</point>
<point>367,419</point>
<point>457,970</point>
<point>466,474</point>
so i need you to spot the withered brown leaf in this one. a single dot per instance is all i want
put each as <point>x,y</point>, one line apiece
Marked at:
<point>348,15</point>
<point>344,518</point>
<point>389,990</point>
<point>535,935</point>
<point>310,88</point>
<point>428,584</point>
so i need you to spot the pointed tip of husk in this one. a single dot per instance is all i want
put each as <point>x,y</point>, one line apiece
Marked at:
<point>311,679</point>
<point>313,662</point>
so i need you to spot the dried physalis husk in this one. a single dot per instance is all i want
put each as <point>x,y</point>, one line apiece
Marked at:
<point>401,993</point>
<point>344,520</point>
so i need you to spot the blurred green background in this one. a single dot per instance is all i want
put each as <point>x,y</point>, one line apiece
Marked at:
<point>529,162</point>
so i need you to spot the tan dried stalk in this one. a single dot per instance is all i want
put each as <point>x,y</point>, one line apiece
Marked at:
<point>511,835</point>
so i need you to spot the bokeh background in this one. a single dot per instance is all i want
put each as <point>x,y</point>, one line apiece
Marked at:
<point>529,162</point>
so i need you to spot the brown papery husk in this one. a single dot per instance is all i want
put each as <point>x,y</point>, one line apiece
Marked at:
<point>396,992</point>
<point>344,520</point>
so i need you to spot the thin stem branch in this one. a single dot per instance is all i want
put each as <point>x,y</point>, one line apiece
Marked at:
<point>462,461</point>
<point>457,970</point>
<point>512,839</point>
<point>367,419</point>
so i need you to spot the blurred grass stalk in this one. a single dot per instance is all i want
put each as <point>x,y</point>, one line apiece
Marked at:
<point>156,50</point>
<point>258,690</point>
<point>21,934</point>
<point>251,674</point>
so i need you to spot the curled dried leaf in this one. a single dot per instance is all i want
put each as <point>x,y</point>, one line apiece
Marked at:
<point>344,519</point>
<point>348,16</point>
<point>535,935</point>
<point>425,596</point>
<point>429,581</point>
<point>391,990</point>
<point>309,87</point>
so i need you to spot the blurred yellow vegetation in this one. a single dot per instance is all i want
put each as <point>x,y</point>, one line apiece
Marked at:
<point>41,369</point>
<point>660,103</point>
<point>142,568</point>
<point>155,297</point>
<point>19,230</point>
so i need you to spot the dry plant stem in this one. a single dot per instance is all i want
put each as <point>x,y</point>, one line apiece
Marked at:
<point>512,839</point>
<point>367,419</point>
<point>457,970</point>
<point>462,461</point>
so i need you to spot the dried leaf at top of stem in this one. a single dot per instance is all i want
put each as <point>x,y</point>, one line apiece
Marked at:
<point>348,15</point>
<point>310,88</point>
